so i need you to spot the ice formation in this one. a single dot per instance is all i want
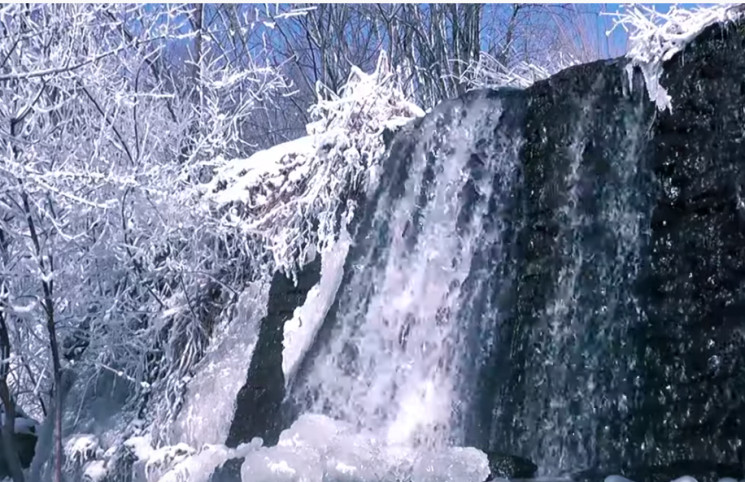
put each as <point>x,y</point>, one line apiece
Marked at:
<point>316,449</point>
<point>656,37</point>
<point>209,401</point>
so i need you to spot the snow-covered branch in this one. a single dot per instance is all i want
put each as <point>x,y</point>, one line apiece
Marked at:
<point>655,37</point>
<point>295,197</point>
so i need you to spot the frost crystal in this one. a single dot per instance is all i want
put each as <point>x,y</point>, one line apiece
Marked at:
<point>656,37</point>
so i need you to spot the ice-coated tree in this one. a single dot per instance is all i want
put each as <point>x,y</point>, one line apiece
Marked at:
<point>106,262</point>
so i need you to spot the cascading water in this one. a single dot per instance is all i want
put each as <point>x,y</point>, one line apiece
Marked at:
<point>394,352</point>
<point>490,298</point>
<point>551,274</point>
<point>584,225</point>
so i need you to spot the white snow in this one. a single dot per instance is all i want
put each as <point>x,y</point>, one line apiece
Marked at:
<point>301,329</point>
<point>25,425</point>
<point>273,166</point>
<point>21,424</point>
<point>161,459</point>
<point>656,37</point>
<point>182,463</point>
<point>95,471</point>
<point>140,446</point>
<point>454,464</point>
<point>200,466</point>
<point>315,448</point>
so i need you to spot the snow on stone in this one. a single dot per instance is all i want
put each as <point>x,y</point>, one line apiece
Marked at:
<point>656,37</point>
<point>317,448</point>
<point>200,466</point>
<point>290,195</point>
<point>616,478</point>
<point>181,462</point>
<point>455,463</point>
<point>140,447</point>
<point>161,459</point>
<point>80,448</point>
<point>95,471</point>
<point>23,425</point>
<point>261,178</point>
<point>301,329</point>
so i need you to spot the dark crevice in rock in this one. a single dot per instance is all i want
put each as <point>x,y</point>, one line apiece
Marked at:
<point>259,400</point>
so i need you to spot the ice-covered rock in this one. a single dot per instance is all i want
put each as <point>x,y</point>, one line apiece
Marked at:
<point>283,464</point>
<point>317,448</point>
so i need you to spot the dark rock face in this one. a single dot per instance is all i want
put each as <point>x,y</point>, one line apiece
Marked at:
<point>259,401</point>
<point>622,348</point>
<point>504,466</point>
<point>693,284</point>
<point>26,447</point>
<point>564,339</point>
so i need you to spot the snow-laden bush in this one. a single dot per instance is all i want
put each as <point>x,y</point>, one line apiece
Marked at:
<point>655,37</point>
<point>490,73</point>
<point>295,197</point>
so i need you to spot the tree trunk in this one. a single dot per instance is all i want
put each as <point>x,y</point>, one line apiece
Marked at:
<point>10,451</point>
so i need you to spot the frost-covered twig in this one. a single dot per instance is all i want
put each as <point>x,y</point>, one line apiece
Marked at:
<point>490,73</point>
<point>656,37</point>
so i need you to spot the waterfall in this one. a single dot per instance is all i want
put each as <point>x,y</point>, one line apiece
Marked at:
<point>548,275</point>
<point>584,226</point>
<point>392,359</point>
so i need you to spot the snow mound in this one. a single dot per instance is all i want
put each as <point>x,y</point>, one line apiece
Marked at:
<point>181,462</point>
<point>200,466</point>
<point>317,448</point>
<point>81,448</point>
<point>295,197</point>
<point>22,423</point>
<point>656,37</point>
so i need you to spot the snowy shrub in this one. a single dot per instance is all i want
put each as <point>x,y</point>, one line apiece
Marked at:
<point>109,266</point>
<point>295,197</point>
<point>81,448</point>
